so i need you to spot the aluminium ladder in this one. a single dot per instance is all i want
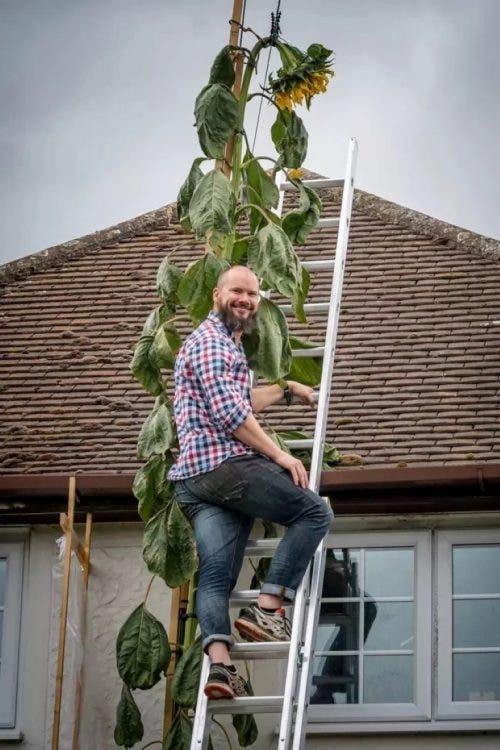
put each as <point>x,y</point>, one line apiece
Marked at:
<point>293,704</point>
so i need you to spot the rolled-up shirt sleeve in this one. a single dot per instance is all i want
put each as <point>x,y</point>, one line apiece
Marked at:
<point>215,370</point>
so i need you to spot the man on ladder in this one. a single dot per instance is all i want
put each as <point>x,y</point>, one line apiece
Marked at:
<point>230,472</point>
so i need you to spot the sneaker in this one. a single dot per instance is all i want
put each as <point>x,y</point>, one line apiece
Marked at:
<point>255,625</point>
<point>224,682</point>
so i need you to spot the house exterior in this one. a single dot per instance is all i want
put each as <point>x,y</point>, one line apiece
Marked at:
<point>408,647</point>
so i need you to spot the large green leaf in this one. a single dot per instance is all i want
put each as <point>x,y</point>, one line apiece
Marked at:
<point>151,488</point>
<point>305,370</point>
<point>298,224</point>
<point>290,139</point>
<point>211,209</point>
<point>187,676</point>
<point>261,190</point>
<point>179,735</point>
<point>129,728</point>
<point>186,193</point>
<point>165,346</point>
<point>167,281</point>
<point>222,70</point>
<point>142,650</point>
<point>246,726</point>
<point>272,257</point>
<point>157,433</point>
<point>154,319</point>
<point>169,548</point>
<point>300,296</point>
<point>267,347</point>
<point>145,371</point>
<point>196,287</point>
<point>216,113</point>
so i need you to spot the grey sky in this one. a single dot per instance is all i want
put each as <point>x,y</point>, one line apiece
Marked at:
<point>97,105</point>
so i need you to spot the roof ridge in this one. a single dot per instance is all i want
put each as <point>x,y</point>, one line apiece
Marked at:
<point>394,213</point>
<point>54,256</point>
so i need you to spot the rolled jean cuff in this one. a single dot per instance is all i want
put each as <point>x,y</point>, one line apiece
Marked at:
<point>277,590</point>
<point>217,637</point>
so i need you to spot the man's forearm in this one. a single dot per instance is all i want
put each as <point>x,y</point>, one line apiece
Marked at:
<point>266,395</point>
<point>251,433</point>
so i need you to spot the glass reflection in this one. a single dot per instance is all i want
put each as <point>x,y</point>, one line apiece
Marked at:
<point>476,622</point>
<point>341,573</point>
<point>390,627</point>
<point>388,679</point>
<point>476,677</point>
<point>389,572</point>
<point>476,569</point>
<point>338,628</point>
<point>335,679</point>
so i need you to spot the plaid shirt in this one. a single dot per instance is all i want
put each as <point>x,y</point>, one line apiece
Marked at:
<point>212,399</point>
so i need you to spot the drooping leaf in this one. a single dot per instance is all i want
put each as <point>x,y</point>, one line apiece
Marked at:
<point>186,193</point>
<point>179,735</point>
<point>290,139</point>
<point>305,370</point>
<point>197,284</point>
<point>272,257</point>
<point>151,488</point>
<point>261,190</point>
<point>142,650</point>
<point>169,549</point>
<point>216,114</point>
<point>155,318</point>
<point>145,371</point>
<point>267,347</point>
<point>300,296</point>
<point>222,70</point>
<point>129,728</point>
<point>167,281</point>
<point>211,209</point>
<point>165,346</point>
<point>157,433</point>
<point>298,224</point>
<point>187,676</point>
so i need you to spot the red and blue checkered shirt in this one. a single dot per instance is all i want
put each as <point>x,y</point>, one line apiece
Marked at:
<point>212,399</point>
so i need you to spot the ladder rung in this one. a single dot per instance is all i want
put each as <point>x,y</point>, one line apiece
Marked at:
<point>258,704</point>
<point>303,443</point>
<point>318,265</point>
<point>328,223</point>
<point>316,351</point>
<point>318,183</point>
<point>243,597</point>
<point>272,650</point>
<point>309,307</point>
<point>259,547</point>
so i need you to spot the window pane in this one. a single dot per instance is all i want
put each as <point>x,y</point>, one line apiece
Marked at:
<point>476,677</point>
<point>3,578</point>
<point>476,569</point>
<point>338,627</point>
<point>335,679</point>
<point>389,572</point>
<point>388,625</point>
<point>476,622</point>
<point>1,629</point>
<point>388,679</point>
<point>341,573</point>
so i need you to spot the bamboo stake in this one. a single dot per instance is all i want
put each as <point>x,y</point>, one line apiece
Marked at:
<point>178,603</point>
<point>64,614</point>
<point>85,581</point>
<point>234,35</point>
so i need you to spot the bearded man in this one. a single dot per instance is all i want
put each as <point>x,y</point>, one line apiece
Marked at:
<point>230,472</point>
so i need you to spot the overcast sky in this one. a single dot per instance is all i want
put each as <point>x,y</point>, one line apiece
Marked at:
<point>96,116</point>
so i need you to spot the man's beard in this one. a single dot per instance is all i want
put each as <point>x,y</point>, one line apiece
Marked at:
<point>235,324</point>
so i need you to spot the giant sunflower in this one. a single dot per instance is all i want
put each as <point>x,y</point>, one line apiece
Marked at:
<point>302,75</point>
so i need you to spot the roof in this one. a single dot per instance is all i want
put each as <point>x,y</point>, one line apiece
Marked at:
<point>417,366</point>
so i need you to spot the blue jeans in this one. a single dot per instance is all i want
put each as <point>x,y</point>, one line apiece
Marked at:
<point>222,505</point>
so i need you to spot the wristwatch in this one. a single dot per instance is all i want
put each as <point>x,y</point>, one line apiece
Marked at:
<point>287,394</point>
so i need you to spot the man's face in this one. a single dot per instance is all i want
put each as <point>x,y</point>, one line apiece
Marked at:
<point>238,299</point>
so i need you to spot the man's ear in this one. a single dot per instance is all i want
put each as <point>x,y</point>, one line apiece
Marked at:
<point>215,294</point>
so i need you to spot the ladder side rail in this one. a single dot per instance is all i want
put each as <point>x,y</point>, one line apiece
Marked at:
<point>319,437</point>
<point>202,721</point>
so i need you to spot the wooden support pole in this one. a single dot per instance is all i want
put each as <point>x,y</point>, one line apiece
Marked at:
<point>85,581</point>
<point>177,606</point>
<point>234,35</point>
<point>64,614</point>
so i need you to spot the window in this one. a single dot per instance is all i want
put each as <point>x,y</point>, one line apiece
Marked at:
<point>372,655</point>
<point>11,570</point>
<point>469,624</point>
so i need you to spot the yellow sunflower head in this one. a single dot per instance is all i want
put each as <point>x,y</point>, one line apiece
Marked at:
<point>302,75</point>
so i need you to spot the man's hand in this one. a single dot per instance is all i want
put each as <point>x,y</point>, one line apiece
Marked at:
<point>303,393</point>
<point>295,467</point>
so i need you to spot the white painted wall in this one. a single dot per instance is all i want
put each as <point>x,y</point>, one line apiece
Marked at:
<point>117,585</point>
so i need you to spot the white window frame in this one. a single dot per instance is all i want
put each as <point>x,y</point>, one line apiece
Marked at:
<point>11,631</point>
<point>446,707</point>
<point>420,710</point>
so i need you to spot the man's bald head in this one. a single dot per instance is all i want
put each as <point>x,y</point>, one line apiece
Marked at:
<point>235,272</point>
